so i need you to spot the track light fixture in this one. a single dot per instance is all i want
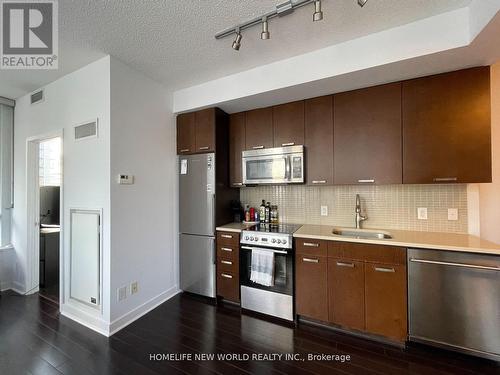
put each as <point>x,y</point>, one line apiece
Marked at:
<point>237,41</point>
<point>264,35</point>
<point>282,9</point>
<point>318,13</point>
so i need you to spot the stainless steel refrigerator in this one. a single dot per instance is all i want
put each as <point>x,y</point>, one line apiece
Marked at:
<point>204,202</point>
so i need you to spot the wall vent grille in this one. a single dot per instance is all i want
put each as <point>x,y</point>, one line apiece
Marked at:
<point>86,130</point>
<point>37,97</point>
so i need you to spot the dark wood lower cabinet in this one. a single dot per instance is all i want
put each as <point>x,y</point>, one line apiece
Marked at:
<point>228,269</point>
<point>311,287</point>
<point>386,300</point>
<point>346,293</point>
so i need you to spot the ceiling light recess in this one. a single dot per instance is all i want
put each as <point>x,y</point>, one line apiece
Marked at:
<point>362,3</point>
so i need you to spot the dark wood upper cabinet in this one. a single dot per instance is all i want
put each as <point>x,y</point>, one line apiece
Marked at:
<point>447,128</point>
<point>311,293</point>
<point>386,300</point>
<point>288,124</point>
<point>318,115</point>
<point>259,129</point>
<point>346,288</point>
<point>367,136</point>
<point>205,130</point>
<point>185,133</point>
<point>236,146</point>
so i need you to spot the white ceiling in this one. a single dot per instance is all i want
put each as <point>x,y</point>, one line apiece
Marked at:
<point>173,41</point>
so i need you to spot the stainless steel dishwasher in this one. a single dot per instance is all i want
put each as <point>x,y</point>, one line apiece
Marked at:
<point>454,301</point>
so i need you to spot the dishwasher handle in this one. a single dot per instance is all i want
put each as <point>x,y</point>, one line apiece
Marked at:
<point>454,264</point>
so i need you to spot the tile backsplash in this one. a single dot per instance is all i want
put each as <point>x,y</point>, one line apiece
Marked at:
<point>387,206</point>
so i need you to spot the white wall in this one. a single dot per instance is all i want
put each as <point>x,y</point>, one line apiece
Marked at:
<point>143,215</point>
<point>73,99</point>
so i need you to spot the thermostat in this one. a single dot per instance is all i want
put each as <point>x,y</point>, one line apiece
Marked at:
<point>125,179</point>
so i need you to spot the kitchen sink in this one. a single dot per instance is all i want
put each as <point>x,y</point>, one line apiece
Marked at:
<point>362,233</point>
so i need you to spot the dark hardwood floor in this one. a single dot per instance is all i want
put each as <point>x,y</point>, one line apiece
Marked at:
<point>35,339</point>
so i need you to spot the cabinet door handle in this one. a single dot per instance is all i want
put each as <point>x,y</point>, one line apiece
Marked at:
<point>310,260</point>
<point>383,269</point>
<point>368,181</point>
<point>226,249</point>
<point>226,276</point>
<point>288,144</point>
<point>226,236</point>
<point>311,244</point>
<point>226,262</point>
<point>237,184</point>
<point>445,179</point>
<point>185,150</point>
<point>317,182</point>
<point>204,148</point>
<point>343,264</point>
<point>258,147</point>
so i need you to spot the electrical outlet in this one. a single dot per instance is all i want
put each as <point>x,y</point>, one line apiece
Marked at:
<point>422,213</point>
<point>134,287</point>
<point>453,214</point>
<point>324,210</point>
<point>122,293</point>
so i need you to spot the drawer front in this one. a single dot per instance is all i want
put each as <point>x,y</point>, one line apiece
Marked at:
<point>311,247</point>
<point>367,252</point>
<point>228,252</point>
<point>228,286</point>
<point>228,265</point>
<point>228,238</point>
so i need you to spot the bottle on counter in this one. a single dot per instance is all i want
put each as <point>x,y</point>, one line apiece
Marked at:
<point>247,213</point>
<point>252,214</point>
<point>262,211</point>
<point>268,213</point>
<point>274,215</point>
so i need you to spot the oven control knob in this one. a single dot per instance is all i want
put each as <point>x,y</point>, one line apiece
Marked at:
<point>246,238</point>
<point>256,238</point>
<point>273,240</point>
<point>279,241</point>
<point>251,238</point>
<point>284,242</point>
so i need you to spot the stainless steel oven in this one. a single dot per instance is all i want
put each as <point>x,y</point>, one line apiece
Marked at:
<point>281,165</point>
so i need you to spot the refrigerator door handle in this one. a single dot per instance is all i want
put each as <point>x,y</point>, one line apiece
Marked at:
<point>214,251</point>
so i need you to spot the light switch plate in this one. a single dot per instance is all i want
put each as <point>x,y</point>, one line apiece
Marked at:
<point>422,213</point>
<point>453,214</point>
<point>122,293</point>
<point>324,210</point>
<point>134,287</point>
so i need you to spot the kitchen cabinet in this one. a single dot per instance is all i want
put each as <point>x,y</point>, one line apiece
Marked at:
<point>367,136</point>
<point>205,130</point>
<point>346,293</point>
<point>288,124</point>
<point>259,129</point>
<point>447,128</point>
<point>386,300</point>
<point>318,116</point>
<point>236,146</point>
<point>227,268</point>
<point>311,287</point>
<point>186,128</point>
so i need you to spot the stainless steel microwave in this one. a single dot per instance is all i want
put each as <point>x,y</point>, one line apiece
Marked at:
<point>281,165</point>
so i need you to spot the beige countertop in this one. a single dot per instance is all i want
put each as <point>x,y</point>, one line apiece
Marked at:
<point>410,239</point>
<point>233,227</point>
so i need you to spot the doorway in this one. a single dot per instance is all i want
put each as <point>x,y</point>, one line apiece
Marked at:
<point>45,219</point>
<point>49,185</point>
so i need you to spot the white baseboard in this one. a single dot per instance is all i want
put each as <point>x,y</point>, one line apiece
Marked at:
<point>142,310</point>
<point>5,285</point>
<point>85,319</point>
<point>18,288</point>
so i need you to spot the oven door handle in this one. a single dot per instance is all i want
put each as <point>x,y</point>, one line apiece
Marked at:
<point>260,248</point>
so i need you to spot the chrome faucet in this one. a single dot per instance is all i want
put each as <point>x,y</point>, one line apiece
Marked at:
<point>359,217</point>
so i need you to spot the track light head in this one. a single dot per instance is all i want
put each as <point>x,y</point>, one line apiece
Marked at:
<point>264,35</point>
<point>362,3</point>
<point>237,41</point>
<point>318,13</point>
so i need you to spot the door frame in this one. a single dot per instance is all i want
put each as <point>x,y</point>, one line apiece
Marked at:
<point>33,213</point>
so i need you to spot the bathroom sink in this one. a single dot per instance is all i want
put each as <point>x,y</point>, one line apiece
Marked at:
<point>362,233</point>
